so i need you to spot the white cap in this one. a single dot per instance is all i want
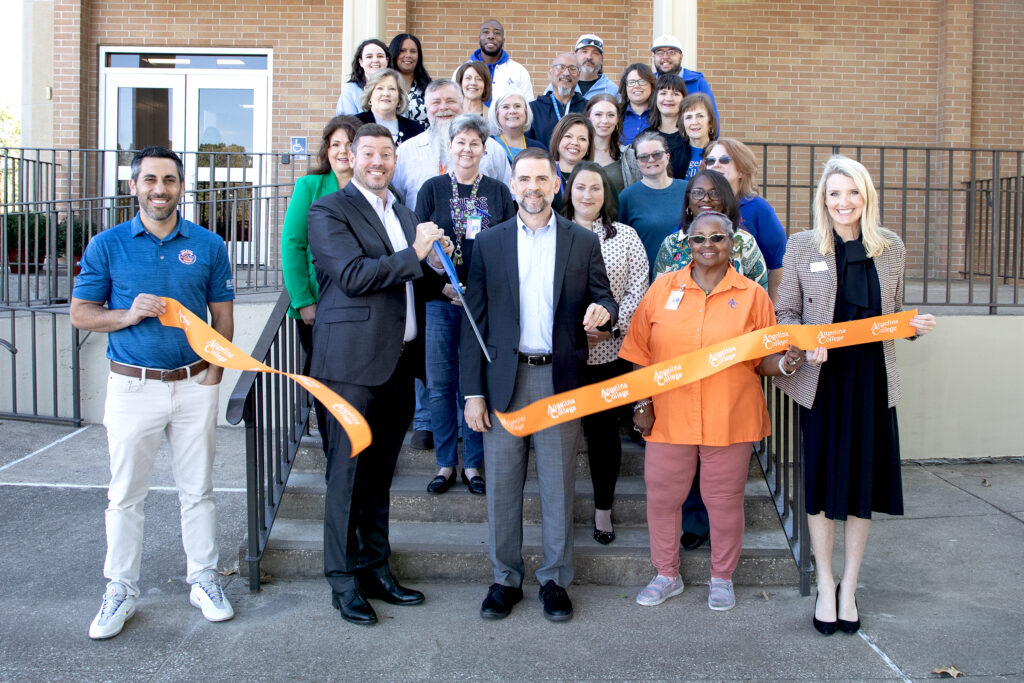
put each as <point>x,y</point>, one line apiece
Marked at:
<point>589,40</point>
<point>667,41</point>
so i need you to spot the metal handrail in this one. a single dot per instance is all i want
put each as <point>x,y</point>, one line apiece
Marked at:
<point>276,414</point>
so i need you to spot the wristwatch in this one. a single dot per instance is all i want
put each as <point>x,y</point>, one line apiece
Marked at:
<point>616,333</point>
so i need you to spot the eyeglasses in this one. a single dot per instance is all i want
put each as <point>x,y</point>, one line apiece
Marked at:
<point>723,160</point>
<point>653,156</point>
<point>699,193</point>
<point>635,83</point>
<point>698,240</point>
<point>662,52</point>
<point>573,70</point>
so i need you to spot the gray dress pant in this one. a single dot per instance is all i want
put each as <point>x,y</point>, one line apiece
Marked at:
<point>505,460</point>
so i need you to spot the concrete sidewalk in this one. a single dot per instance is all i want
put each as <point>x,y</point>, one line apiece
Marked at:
<point>943,585</point>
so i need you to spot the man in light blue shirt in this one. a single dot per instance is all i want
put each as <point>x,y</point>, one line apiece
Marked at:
<point>536,284</point>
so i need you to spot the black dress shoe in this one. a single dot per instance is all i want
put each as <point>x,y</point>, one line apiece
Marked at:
<point>844,625</point>
<point>499,601</point>
<point>557,605</point>
<point>692,541</point>
<point>354,608</point>
<point>388,589</point>
<point>440,484</point>
<point>825,628</point>
<point>476,485</point>
<point>422,440</point>
<point>603,537</point>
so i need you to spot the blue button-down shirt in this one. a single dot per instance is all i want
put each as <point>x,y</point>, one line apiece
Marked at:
<point>536,250</point>
<point>190,265</point>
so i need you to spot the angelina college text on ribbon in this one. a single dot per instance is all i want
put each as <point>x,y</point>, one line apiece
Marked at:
<point>213,347</point>
<point>696,365</point>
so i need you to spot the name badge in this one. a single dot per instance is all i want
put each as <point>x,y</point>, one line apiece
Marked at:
<point>473,224</point>
<point>673,300</point>
<point>819,267</point>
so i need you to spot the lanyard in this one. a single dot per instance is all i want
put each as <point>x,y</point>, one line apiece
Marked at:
<point>461,211</point>
<point>508,149</point>
<point>554,103</point>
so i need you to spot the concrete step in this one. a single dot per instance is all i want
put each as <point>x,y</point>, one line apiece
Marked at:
<point>439,551</point>
<point>410,502</point>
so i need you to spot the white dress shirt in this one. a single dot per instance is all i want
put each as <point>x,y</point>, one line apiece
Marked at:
<point>536,252</point>
<point>386,213</point>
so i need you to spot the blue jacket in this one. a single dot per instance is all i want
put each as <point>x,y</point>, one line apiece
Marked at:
<point>545,118</point>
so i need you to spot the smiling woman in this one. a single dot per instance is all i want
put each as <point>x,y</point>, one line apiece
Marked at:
<point>383,101</point>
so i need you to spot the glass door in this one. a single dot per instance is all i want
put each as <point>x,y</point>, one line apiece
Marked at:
<point>140,110</point>
<point>226,139</point>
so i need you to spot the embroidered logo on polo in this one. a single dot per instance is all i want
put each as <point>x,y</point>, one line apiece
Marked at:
<point>187,256</point>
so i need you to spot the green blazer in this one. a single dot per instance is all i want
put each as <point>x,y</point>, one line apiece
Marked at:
<point>296,258</point>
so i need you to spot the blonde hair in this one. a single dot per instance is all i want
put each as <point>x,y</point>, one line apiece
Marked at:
<point>870,228</point>
<point>371,83</point>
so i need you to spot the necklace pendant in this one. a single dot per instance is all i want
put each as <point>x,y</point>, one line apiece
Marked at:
<point>458,258</point>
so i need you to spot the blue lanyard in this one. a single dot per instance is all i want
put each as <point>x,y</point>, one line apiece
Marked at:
<point>554,103</point>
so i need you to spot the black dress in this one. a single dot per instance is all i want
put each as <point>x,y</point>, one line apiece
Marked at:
<point>850,435</point>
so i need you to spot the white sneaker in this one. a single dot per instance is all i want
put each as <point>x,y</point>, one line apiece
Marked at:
<point>722,597</point>
<point>208,596</point>
<point>117,608</point>
<point>659,590</point>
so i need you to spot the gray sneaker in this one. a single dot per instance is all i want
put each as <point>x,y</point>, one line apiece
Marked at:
<point>117,607</point>
<point>722,597</point>
<point>208,596</point>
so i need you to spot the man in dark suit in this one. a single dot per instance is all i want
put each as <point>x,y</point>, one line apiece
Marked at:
<point>369,255</point>
<point>536,285</point>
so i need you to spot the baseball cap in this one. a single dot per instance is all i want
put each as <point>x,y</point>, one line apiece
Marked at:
<point>589,40</point>
<point>666,41</point>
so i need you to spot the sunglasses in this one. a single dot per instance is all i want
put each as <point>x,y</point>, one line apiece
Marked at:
<point>699,193</point>
<point>723,160</point>
<point>654,156</point>
<point>698,240</point>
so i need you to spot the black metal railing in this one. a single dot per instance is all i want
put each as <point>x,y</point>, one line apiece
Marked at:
<point>276,414</point>
<point>40,374</point>
<point>781,458</point>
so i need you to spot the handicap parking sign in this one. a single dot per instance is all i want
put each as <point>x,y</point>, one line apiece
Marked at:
<point>298,147</point>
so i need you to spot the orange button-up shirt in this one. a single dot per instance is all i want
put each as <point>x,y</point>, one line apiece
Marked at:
<point>727,407</point>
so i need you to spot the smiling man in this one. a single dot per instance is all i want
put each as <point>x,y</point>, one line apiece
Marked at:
<point>506,73</point>
<point>371,260</point>
<point>157,384</point>
<point>668,59</point>
<point>536,285</point>
<point>563,98</point>
<point>589,52</point>
<point>426,155</point>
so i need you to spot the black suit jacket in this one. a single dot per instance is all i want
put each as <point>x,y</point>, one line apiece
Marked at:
<point>492,297</point>
<point>407,128</point>
<point>360,314</point>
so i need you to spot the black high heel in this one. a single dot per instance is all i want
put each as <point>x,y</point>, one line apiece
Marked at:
<point>825,628</point>
<point>847,626</point>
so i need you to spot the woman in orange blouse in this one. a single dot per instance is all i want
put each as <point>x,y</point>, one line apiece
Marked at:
<point>716,419</point>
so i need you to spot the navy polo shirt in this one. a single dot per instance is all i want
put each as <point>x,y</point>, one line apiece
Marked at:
<point>190,265</point>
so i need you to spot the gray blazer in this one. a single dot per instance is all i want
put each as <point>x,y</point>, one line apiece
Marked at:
<point>809,298</point>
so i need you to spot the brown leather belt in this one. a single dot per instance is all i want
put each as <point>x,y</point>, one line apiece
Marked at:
<point>175,375</point>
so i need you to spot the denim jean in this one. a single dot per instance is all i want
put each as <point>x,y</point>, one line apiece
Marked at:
<point>421,418</point>
<point>444,322</point>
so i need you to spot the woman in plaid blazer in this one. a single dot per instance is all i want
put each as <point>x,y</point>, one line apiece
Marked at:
<point>847,268</point>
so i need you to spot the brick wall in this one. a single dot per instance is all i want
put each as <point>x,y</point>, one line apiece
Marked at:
<point>534,32</point>
<point>304,37</point>
<point>998,115</point>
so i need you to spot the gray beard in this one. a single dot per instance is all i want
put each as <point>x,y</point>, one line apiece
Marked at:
<point>563,92</point>
<point>440,141</point>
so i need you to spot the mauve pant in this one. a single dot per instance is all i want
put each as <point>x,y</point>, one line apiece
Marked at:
<point>668,472</point>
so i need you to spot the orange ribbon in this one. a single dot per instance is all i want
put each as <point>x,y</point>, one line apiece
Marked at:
<point>696,365</point>
<point>213,347</point>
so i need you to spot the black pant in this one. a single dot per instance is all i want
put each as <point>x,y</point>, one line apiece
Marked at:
<point>604,447</point>
<point>358,489</point>
<point>306,341</point>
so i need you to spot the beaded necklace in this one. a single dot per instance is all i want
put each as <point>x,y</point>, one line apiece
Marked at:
<point>461,213</point>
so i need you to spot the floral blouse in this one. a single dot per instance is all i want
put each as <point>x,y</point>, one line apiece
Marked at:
<point>675,254</point>
<point>625,261</point>
<point>417,110</point>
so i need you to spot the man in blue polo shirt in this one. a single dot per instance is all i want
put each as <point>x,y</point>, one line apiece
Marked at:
<point>157,384</point>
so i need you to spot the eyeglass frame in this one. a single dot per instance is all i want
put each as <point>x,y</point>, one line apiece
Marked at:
<point>701,239</point>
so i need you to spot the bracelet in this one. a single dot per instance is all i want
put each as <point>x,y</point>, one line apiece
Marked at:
<point>640,405</point>
<point>782,367</point>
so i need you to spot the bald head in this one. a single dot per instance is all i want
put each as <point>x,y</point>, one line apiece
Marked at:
<point>564,73</point>
<point>492,39</point>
